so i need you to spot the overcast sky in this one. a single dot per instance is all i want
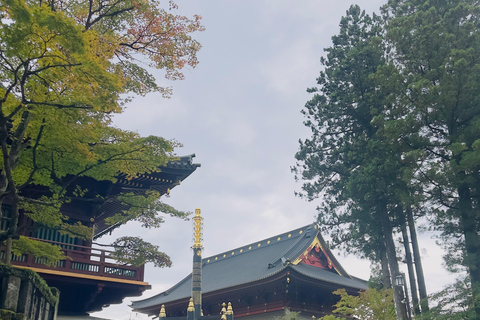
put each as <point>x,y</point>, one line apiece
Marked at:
<point>239,112</point>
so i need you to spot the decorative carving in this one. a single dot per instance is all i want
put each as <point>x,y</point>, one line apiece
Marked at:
<point>315,256</point>
<point>197,227</point>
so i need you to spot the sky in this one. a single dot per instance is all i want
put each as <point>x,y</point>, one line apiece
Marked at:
<point>238,111</point>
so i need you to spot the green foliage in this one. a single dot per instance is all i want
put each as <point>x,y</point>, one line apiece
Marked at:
<point>66,67</point>
<point>144,208</point>
<point>436,48</point>
<point>395,123</point>
<point>454,302</point>
<point>353,161</point>
<point>347,161</point>
<point>46,253</point>
<point>330,317</point>
<point>289,316</point>
<point>50,293</point>
<point>137,252</point>
<point>369,304</point>
<point>10,315</point>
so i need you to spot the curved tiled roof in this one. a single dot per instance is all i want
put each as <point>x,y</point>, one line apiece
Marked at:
<point>166,178</point>
<point>254,262</point>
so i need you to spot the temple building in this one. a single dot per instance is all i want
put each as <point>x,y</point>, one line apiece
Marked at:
<point>291,272</point>
<point>89,279</point>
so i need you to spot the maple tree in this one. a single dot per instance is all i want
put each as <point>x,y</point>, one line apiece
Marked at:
<point>66,67</point>
<point>369,304</point>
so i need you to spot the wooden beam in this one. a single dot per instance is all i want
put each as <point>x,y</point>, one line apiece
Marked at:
<point>84,276</point>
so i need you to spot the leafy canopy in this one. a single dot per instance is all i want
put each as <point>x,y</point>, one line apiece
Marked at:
<point>66,67</point>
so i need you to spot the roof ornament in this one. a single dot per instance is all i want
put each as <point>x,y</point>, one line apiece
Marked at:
<point>229,309</point>
<point>197,265</point>
<point>162,312</point>
<point>223,312</point>
<point>197,229</point>
<point>190,308</point>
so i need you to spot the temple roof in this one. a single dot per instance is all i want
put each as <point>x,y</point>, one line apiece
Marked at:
<point>261,260</point>
<point>163,180</point>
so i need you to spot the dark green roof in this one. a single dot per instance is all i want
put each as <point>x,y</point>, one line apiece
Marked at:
<point>257,261</point>
<point>165,179</point>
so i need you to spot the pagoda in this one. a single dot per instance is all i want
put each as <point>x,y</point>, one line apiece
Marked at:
<point>89,279</point>
<point>291,272</point>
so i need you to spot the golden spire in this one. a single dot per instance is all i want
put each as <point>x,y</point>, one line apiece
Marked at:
<point>229,308</point>
<point>162,312</point>
<point>197,228</point>
<point>190,308</point>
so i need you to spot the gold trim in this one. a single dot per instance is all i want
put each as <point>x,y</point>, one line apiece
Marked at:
<point>314,243</point>
<point>83,276</point>
<point>197,227</point>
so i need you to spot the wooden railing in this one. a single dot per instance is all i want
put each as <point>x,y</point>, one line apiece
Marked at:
<point>83,260</point>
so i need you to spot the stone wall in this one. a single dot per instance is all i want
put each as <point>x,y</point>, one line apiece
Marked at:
<point>24,295</point>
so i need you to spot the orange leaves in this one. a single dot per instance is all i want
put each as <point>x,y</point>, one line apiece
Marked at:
<point>139,32</point>
<point>164,38</point>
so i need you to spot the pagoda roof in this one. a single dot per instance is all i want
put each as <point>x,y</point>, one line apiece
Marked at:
<point>163,180</point>
<point>258,261</point>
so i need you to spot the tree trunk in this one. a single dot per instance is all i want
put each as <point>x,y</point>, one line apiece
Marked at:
<point>409,260</point>
<point>422,288</point>
<point>382,214</point>
<point>387,284</point>
<point>12,230</point>
<point>468,224</point>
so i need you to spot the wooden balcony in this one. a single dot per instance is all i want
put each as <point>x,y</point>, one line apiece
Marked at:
<point>82,260</point>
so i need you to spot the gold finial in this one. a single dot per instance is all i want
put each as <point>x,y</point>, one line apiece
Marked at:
<point>229,309</point>
<point>197,227</point>
<point>224,310</point>
<point>191,307</point>
<point>162,312</point>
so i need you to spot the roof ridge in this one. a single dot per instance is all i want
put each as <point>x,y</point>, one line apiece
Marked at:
<point>289,249</point>
<point>257,244</point>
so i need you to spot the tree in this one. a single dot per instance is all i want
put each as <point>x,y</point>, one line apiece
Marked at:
<point>436,48</point>
<point>66,67</point>
<point>454,302</point>
<point>289,316</point>
<point>348,160</point>
<point>369,304</point>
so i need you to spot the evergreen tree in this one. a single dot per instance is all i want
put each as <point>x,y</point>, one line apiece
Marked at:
<point>348,161</point>
<point>437,44</point>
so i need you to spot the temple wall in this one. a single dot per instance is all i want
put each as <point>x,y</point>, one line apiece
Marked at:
<point>24,295</point>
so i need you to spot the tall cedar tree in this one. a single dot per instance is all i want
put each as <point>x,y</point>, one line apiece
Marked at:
<point>347,160</point>
<point>66,67</point>
<point>437,45</point>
